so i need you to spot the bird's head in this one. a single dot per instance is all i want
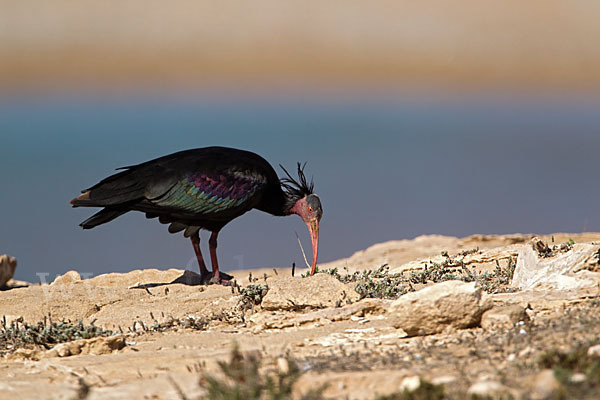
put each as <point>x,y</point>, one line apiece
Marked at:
<point>305,203</point>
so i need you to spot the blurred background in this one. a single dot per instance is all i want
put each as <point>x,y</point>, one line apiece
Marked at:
<point>415,117</point>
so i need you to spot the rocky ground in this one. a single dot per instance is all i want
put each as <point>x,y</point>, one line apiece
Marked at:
<point>477,317</point>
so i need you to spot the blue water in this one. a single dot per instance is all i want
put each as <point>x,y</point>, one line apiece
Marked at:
<point>386,167</point>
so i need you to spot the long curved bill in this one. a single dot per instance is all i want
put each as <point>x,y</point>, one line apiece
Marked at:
<point>313,228</point>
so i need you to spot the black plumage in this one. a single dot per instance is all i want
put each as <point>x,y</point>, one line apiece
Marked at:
<point>202,189</point>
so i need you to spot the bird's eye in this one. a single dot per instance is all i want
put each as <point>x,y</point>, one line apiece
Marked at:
<point>310,209</point>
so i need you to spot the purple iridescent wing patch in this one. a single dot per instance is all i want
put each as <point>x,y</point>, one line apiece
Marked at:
<point>207,193</point>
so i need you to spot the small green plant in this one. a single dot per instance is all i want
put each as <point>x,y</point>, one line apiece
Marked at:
<point>243,380</point>
<point>498,280</point>
<point>384,286</point>
<point>470,251</point>
<point>331,271</point>
<point>252,295</point>
<point>449,269</point>
<point>381,283</point>
<point>377,283</point>
<point>194,323</point>
<point>46,333</point>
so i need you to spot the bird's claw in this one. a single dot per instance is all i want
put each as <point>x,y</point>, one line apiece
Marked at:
<point>221,279</point>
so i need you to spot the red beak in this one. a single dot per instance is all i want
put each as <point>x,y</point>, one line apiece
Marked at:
<point>313,228</point>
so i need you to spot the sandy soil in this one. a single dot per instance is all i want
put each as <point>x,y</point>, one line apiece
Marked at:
<point>336,337</point>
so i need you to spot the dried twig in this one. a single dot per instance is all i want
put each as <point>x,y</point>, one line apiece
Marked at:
<point>301,248</point>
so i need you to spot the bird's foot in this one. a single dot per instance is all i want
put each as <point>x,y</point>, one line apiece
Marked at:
<point>223,282</point>
<point>221,279</point>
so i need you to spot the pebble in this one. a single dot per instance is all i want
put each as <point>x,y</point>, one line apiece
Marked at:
<point>594,351</point>
<point>283,365</point>
<point>410,383</point>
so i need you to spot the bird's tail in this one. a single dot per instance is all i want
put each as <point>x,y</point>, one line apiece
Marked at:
<point>117,189</point>
<point>116,194</point>
<point>103,216</point>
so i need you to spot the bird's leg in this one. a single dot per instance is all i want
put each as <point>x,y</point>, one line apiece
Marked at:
<point>212,245</point>
<point>217,277</point>
<point>195,238</point>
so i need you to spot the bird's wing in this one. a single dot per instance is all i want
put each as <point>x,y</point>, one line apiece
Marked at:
<point>211,193</point>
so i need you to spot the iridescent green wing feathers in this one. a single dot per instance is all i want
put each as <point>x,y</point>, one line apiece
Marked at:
<point>212,193</point>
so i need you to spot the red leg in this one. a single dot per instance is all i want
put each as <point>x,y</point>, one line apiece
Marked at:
<point>195,238</point>
<point>212,243</point>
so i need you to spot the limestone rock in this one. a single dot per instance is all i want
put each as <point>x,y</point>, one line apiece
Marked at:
<point>557,272</point>
<point>431,310</point>
<point>7,268</point>
<point>318,291</point>
<point>68,278</point>
<point>503,316</point>
<point>95,346</point>
<point>25,354</point>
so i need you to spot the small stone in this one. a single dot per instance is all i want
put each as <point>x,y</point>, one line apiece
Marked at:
<point>8,265</point>
<point>594,351</point>
<point>410,383</point>
<point>503,316</point>
<point>106,345</point>
<point>62,350</point>
<point>577,378</point>
<point>450,304</point>
<point>540,246</point>
<point>283,365</point>
<point>545,385</point>
<point>489,389</point>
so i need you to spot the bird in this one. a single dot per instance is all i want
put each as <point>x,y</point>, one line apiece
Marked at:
<point>204,189</point>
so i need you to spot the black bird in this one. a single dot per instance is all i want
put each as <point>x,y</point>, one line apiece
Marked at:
<point>204,189</point>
